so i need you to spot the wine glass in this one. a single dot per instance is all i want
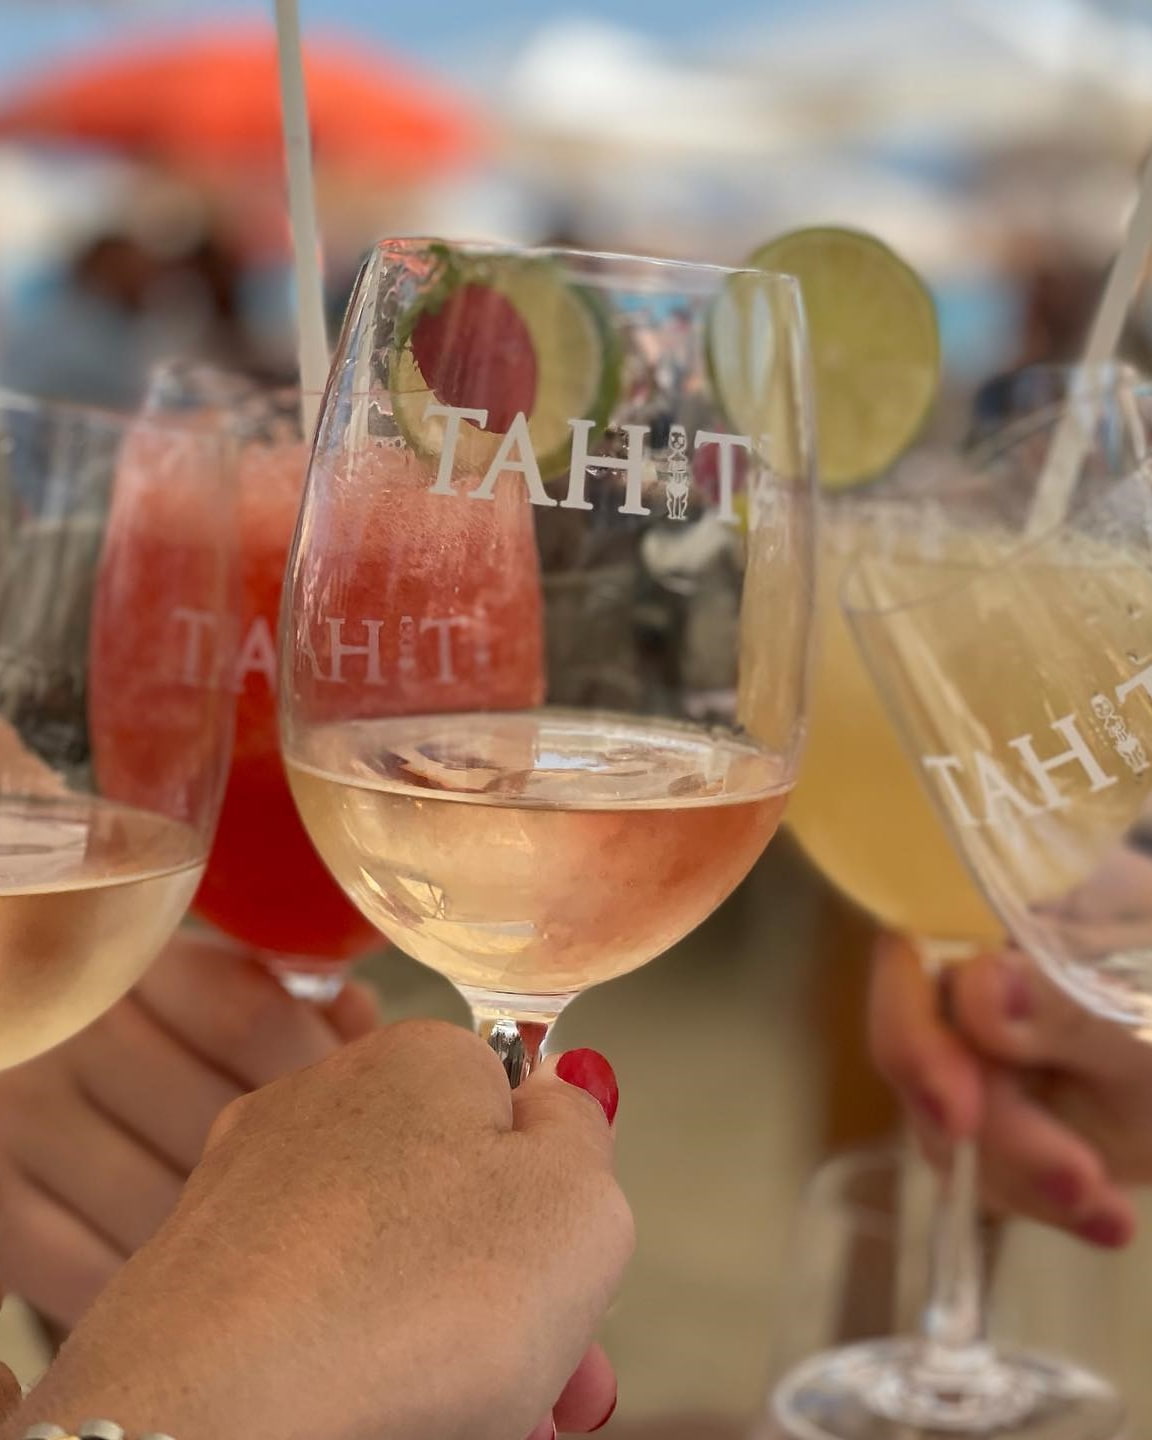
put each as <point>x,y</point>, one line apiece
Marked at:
<point>545,635</point>
<point>854,1271</point>
<point>112,752</point>
<point>862,814</point>
<point>264,886</point>
<point>1015,656</point>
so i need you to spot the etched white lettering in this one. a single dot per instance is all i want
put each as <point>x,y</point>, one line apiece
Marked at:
<point>1141,681</point>
<point>446,675</point>
<point>726,466</point>
<point>632,464</point>
<point>453,415</point>
<point>941,767</point>
<point>341,652</point>
<point>1078,753</point>
<point>257,655</point>
<point>997,789</point>
<point>199,623</point>
<point>515,457</point>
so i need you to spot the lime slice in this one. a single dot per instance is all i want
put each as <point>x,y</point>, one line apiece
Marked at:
<point>875,346</point>
<point>505,334</point>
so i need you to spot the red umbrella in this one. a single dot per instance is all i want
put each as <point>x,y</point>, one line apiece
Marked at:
<point>210,101</point>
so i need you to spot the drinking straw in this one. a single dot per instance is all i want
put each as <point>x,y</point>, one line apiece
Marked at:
<point>311,331</point>
<point>1073,438</point>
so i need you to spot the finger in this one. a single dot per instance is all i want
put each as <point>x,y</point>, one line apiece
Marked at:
<point>49,1256</point>
<point>1009,1009</point>
<point>165,1094</point>
<point>914,1048</point>
<point>552,1108</point>
<point>234,1015</point>
<point>589,1398</point>
<point>10,1392</point>
<point>118,1188</point>
<point>546,1430</point>
<point>1034,1165</point>
<point>355,1011</point>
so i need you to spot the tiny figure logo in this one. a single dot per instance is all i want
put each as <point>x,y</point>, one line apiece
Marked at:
<point>407,647</point>
<point>1126,745</point>
<point>678,482</point>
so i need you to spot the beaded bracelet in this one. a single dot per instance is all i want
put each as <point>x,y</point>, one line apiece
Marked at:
<point>89,1430</point>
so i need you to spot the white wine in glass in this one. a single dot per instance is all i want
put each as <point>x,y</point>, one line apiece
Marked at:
<point>111,759</point>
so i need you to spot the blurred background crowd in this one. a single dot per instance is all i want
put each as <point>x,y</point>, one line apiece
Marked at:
<point>139,166</point>
<point>995,145</point>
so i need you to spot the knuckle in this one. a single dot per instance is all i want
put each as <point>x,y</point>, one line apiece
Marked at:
<point>229,1118</point>
<point>412,1050</point>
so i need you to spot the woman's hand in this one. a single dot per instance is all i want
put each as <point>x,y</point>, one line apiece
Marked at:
<point>1059,1099</point>
<point>390,1243</point>
<point>98,1137</point>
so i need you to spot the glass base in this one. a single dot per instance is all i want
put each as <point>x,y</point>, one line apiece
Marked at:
<point>320,987</point>
<point>867,1392</point>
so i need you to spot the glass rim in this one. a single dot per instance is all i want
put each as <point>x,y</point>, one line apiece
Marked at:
<point>97,417</point>
<point>987,450</point>
<point>980,459</point>
<point>404,246</point>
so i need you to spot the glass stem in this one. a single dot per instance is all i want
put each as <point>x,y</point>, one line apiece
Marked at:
<point>519,1044</point>
<point>954,1380</point>
<point>953,1325</point>
<point>306,979</point>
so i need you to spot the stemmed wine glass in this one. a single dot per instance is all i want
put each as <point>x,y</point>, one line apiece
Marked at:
<point>112,754</point>
<point>545,633</point>
<point>862,813</point>
<point>264,885</point>
<point>1016,658</point>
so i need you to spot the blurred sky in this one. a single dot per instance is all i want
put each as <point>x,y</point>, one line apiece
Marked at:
<point>452,35</point>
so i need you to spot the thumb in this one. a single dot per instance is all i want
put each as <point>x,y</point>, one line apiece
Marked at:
<point>1011,1011</point>
<point>576,1095</point>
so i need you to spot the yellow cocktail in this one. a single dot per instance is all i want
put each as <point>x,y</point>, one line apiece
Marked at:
<point>859,809</point>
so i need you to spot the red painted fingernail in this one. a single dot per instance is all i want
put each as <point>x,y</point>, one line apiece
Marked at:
<point>1062,1188</point>
<point>1107,1231</point>
<point>1017,993</point>
<point>932,1110</point>
<point>611,1412</point>
<point>588,1070</point>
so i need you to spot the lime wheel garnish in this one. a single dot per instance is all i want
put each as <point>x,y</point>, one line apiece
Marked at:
<point>875,344</point>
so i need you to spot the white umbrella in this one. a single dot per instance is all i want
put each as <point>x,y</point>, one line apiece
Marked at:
<point>949,69</point>
<point>588,87</point>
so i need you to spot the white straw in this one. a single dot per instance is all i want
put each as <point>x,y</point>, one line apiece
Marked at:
<point>1073,440</point>
<point>312,337</point>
